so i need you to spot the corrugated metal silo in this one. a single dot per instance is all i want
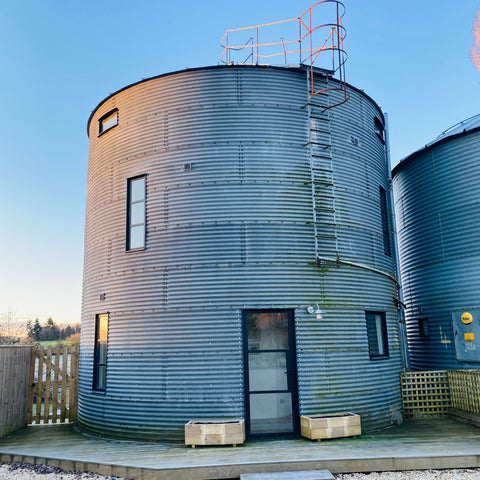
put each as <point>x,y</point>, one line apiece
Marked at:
<point>205,315</point>
<point>436,197</point>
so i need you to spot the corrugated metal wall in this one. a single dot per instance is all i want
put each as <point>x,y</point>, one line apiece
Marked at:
<point>437,196</point>
<point>234,232</point>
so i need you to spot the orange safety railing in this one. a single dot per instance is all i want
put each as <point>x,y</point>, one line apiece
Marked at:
<point>308,44</point>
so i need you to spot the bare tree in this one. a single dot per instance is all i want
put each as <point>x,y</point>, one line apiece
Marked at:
<point>7,319</point>
<point>476,41</point>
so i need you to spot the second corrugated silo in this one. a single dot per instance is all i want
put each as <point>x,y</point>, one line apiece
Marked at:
<point>225,208</point>
<point>437,195</point>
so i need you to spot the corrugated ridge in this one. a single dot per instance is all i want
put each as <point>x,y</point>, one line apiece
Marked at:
<point>234,232</point>
<point>437,199</point>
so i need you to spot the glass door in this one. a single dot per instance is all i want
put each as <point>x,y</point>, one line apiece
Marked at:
<point>270,372</point>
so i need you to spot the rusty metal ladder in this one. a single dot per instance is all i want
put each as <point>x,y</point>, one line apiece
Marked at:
<point>321,170</point>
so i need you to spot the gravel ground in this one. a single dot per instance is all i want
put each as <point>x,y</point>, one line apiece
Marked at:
<point>25,471</point>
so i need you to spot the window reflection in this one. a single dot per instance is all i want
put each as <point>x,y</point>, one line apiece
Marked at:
<point>136,195</point>
<point>268,331</point>
<point>100,354</point>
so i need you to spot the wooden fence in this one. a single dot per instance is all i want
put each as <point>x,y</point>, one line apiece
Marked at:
<point>53,384</point>
<point>431,394</point>
<point>465,390</point>
<point>425,394</point>
<point>14,373</point>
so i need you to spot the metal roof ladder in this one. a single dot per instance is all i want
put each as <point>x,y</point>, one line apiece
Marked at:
<point>321,169</point>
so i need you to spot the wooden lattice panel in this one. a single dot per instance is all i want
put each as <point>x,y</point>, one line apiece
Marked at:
<point>465,390</point>
<point>425,394</point>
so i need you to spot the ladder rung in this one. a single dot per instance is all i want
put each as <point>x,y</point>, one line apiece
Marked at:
<point>326,237</point>
<point>322,94</point>
<point>318,106</point>
<point>322,108</point>
<point>325,199</point>
<point>325,209</point>
<point>324,117</point>
<point>316,130</point>
<point>330,226</point>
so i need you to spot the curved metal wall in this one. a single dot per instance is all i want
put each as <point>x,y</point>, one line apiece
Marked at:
<point>235,232</point>
<point>436,201</point>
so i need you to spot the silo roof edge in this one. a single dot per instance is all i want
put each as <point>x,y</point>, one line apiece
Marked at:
<point>294,67</point>
<point>461,128</point>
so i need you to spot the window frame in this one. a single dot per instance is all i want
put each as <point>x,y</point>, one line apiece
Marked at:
<point>374,335</point>
<point>97,364</point>
<point>379,128</point>
<point>386,224</point>
<point>129,225</point>
<point>423,328</point>
<point>101,130</point>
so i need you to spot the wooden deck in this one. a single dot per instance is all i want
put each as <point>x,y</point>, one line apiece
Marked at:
<point>420,445</point>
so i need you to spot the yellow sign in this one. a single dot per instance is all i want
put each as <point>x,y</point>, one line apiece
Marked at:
<point>467,318</point>
<point>469,336</point>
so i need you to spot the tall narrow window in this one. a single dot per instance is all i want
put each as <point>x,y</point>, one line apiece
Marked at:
<point>108,121</point>
<point>387,245</point>
<point>100,353</point>
<point>136,213</point>
<point>379,129</point>
<point>377,334</point>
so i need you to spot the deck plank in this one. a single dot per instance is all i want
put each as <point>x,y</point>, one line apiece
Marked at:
<point>419,445</point>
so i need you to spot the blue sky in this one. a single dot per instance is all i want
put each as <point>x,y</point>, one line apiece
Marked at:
<point>60,59</point>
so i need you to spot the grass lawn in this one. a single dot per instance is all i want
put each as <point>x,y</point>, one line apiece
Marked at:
<point>51,343</point>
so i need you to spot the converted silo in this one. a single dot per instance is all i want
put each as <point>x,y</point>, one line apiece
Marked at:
<point>437,193</point>
<point>207,191</point>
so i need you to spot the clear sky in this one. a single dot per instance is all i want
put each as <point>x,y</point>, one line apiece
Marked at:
<point>59,59</point>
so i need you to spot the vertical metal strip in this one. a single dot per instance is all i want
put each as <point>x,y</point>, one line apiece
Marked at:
<point>401,313</point>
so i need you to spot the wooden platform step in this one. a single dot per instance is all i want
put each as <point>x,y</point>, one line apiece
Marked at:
<point>299,475</point>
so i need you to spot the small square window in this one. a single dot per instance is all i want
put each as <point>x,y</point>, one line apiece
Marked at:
<point>377,335</point>
<point>108,121</point>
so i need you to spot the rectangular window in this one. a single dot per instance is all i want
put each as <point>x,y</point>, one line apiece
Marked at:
<point>377,334</point>
<point>379,129</point>
<point>423,327</point>
<point>108,121</point>
<point>100,353</point>
<point>384,211</point>
<point>136,194</point>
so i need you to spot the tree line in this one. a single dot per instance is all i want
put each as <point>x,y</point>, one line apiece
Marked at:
<point>49,331</point>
